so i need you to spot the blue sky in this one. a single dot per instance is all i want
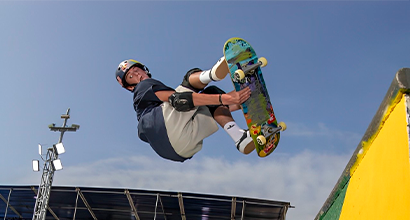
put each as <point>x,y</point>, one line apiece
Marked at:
<point>330,65</point>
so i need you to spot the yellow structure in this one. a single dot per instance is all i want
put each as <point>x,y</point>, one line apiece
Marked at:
<point>376,182</point>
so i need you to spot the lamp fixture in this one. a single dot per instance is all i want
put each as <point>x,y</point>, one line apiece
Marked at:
<point>59,148</point>
<point>57,164</point>
<point>36,165</point>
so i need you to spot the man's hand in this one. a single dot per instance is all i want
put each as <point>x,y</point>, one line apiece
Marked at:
<point>236,97</point>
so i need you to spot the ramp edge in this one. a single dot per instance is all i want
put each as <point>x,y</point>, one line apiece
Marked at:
<point>399,87</point>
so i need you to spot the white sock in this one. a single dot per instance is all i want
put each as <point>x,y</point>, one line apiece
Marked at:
<point>204,77</point>
<point>234,131</point>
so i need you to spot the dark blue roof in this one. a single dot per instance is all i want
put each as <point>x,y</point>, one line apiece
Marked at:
<point>17,202</point>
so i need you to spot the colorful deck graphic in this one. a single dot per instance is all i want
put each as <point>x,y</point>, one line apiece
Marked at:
<point>258,110</point>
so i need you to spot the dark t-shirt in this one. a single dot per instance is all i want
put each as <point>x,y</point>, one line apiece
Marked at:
<point>151,125</point>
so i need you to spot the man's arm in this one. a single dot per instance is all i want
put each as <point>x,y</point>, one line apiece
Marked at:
<point>164,95</point>
<point>199,99</point>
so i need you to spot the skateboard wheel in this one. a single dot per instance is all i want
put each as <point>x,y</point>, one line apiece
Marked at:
<point>263,61</point>
<point>282,125</point>
<point>262,153</point>
<point>261,140</point>
<point>239,75</point>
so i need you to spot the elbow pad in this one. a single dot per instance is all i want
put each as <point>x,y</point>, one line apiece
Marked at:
<point>182,101</point>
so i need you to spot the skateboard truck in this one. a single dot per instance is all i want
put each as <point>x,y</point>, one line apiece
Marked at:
<point>240,73</point>
<point>262,139</point>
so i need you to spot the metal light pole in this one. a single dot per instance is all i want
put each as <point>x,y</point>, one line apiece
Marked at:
<point>50,165</point>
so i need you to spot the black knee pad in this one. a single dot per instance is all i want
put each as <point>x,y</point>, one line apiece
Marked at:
<point>185,82</point>
<point>213,90</point>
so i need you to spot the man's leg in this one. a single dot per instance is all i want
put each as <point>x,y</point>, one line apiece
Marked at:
<point>197,80</point>
<point>200,79</point>
<point>223,117</point>
<point>243,140</point>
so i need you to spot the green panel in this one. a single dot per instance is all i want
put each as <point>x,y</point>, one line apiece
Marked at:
<point>333,213</point>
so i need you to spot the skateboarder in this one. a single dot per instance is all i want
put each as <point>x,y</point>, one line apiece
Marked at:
<point>175,121</point>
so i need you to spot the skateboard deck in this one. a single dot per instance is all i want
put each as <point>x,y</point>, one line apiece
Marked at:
<point>245,71</point>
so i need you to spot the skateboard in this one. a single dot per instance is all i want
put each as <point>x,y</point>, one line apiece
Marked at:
<point>245,71</point>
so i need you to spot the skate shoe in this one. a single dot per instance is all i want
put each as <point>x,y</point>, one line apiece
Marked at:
<point>245,145</point>
<point>219,70</point>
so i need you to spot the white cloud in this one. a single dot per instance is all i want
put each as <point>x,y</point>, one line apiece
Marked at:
<point>321,136</point>
<point>316,130</point>
<point>305,179</point>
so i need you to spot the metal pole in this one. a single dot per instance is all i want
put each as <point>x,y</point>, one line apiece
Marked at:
<point>66,117</point>
<point>43,196</point>
<point>8,202</point>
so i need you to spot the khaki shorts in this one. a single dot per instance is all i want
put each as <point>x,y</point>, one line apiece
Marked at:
<point>186,130</point>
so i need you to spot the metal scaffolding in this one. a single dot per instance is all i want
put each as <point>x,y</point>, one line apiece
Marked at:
<point>43,196</point>
<point>84,203</point>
